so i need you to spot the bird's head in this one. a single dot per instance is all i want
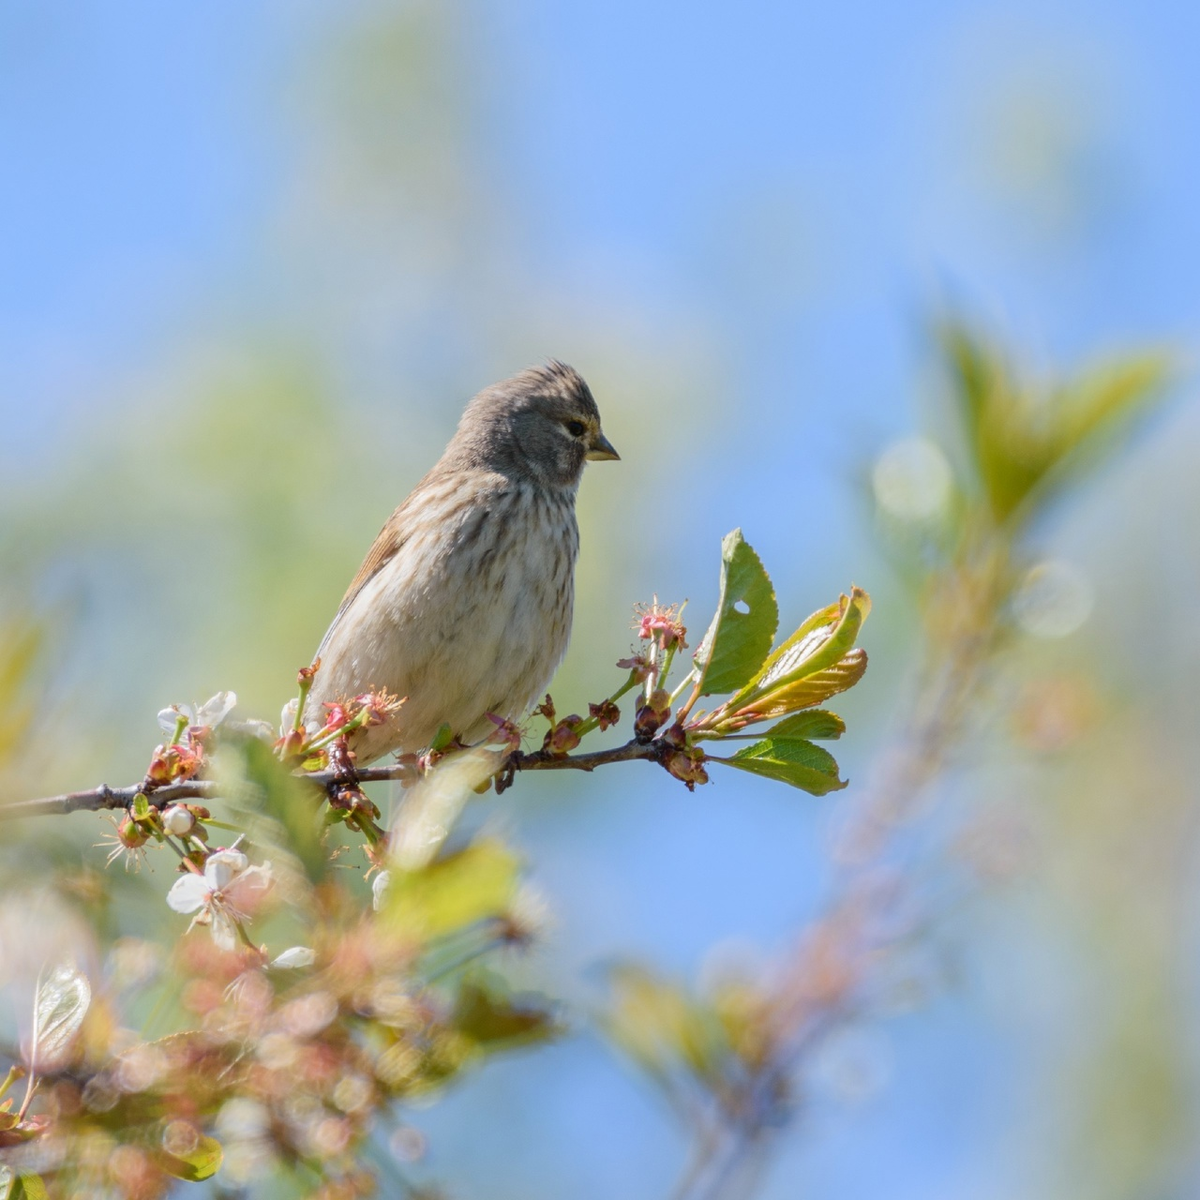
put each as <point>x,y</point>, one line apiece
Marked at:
<point>541,424</point>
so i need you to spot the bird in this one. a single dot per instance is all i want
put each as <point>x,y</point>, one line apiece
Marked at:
<point>463,605</point>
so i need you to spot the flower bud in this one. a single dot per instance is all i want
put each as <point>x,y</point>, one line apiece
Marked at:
<point>130,834</point>
<point>646,723</point>
<point>564,737</point>
<point>179,820</point>
<point>687,766</point>
<point>291,744</point>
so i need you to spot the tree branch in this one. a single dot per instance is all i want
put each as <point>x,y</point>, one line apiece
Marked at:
<point>102,798</point>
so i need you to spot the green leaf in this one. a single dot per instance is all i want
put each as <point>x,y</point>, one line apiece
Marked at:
<point>199,1164</point>
<point>443,739</point>
<point>277,808</point>
<point>28,1187</point>
<point>815,724</point>
<point>660,1027</point>
<point>737,641</point>
<point>61,1003</point>
<point>804,693</point>
<point>1023,440</point>
<point>453,892</point>
<point>790,760</point>
<point>494,1020</point>
<point>821,642</point>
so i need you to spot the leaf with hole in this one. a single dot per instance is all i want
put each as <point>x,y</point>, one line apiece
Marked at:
<point>739,637</point>
<point>820,643</point>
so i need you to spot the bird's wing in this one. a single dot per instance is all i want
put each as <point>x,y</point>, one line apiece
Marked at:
<point>392,537</point>
<point>433,496</point>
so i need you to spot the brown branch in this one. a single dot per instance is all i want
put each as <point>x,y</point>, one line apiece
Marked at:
<point>102,798</point>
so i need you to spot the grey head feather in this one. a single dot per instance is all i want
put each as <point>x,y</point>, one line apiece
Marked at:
<point>537,426</point>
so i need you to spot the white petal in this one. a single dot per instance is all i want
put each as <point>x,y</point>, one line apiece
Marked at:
<point>223,930</point>
<point>189,892</point>
<point>297,956</point>
<point>221,867</point>
<point>249,885</point>
<point>168,718</point>
<point>379,888</point>
<point>215,709</point>
<point>287,718</point>
<point>260,729</point>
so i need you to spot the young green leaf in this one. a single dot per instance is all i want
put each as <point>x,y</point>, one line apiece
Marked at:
<point>739,638</point>
<point>61,1003</point>
<point>804,693</point>
<point>825,638</point>
<point>275,807</point>
<point>493,1019</point>
<point>26,1186</point>
<point>817,724</point>
<point>455,891</point>
<point>200,1163</point>
<point>661,1027</point>
<point>790,760</point>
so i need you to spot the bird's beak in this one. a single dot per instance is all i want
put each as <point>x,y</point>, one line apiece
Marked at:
<point>601,449</point>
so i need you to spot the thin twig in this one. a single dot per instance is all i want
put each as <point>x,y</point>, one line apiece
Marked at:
<point>102,798</point>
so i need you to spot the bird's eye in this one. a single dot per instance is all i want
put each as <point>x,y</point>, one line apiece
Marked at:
<point>576,428</point>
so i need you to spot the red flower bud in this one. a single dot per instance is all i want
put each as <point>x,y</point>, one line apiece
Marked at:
<point>564,737</point>
<point>646,723</point>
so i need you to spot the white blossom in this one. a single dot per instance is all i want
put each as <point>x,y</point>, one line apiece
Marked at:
<point>223,895</point>
<point>211,713</point>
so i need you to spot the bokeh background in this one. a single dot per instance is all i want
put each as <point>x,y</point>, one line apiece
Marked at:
<point>254,257</point>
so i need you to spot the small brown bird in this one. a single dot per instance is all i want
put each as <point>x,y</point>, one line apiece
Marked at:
<point>463,605</point>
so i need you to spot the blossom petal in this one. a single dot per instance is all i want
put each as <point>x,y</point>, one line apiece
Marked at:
<point>248,887</point>
<point>189,892</point>
<point>223,866</point>
<point>215,709</point>
<point>169,718</point>
<point>223,929</point>
<point>379,887</point>
<point>296,956</point>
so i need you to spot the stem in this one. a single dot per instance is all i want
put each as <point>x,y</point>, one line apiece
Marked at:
<point>15,1072</point>
<point>306,682</point>
<point>682,684</point>
<point>629,684</point>
<point>681,716</point>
